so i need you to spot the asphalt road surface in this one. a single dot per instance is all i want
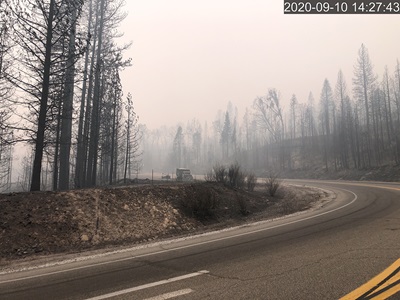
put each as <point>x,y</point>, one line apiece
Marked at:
<point>321,254</point>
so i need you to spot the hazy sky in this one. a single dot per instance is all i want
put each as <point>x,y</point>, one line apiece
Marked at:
<point>191,57</point>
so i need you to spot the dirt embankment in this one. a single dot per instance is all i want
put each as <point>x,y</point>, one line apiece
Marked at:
<point>44,223</point>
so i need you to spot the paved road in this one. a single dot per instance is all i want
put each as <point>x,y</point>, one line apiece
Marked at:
<point>323,254</point>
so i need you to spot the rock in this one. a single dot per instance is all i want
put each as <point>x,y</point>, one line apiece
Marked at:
<point>84,238</point>
<point>96,239</point>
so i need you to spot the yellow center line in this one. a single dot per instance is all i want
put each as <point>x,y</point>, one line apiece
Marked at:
<point>385,284</point>
<point>387,293</point>
<point>388,288</point>
<point>375,288</point>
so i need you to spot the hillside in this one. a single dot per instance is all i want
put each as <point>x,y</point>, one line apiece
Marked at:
<point>45,223</point>
<point>389,173</point>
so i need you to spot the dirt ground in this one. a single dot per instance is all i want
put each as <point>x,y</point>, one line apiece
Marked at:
<point>41,224</point>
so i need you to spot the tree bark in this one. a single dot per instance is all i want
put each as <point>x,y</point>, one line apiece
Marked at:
<point>66,122</point>
<point>94,128</point>
<point>82,145</point>
<point>39,144</point>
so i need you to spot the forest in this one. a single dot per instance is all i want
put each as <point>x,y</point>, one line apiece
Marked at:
<point>61,94</point>
<point>349,125</point>
<point>61,97</point>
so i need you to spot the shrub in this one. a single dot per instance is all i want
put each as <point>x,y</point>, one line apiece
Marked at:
<point>202,205</point>
<point>272,183</point>
<point>242,205</point>
<point>233,176</point>
<point>236,178</point>
<point>219,171</point>
<point>241,181</point>
<point>251,181</point>
<point>210,176</point>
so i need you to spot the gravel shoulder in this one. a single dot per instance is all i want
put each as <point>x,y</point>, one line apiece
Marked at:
<point>43,227</point>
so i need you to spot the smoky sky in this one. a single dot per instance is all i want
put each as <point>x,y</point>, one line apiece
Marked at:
<point>190,58</point>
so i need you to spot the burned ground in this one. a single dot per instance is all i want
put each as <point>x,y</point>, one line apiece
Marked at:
<point>44,223</point>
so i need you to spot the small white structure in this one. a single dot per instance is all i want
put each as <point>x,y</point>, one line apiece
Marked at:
<point>183,174</point>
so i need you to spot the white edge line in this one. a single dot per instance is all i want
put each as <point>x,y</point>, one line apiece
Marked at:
<point>184,247</point>
<point>148,285</point>
<point>164,242</point>
<point>171,295</point>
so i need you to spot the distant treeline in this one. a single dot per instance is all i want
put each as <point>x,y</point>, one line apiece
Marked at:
<point>354,127</point>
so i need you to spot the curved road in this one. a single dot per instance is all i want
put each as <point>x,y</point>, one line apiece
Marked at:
<point>321,254</point>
